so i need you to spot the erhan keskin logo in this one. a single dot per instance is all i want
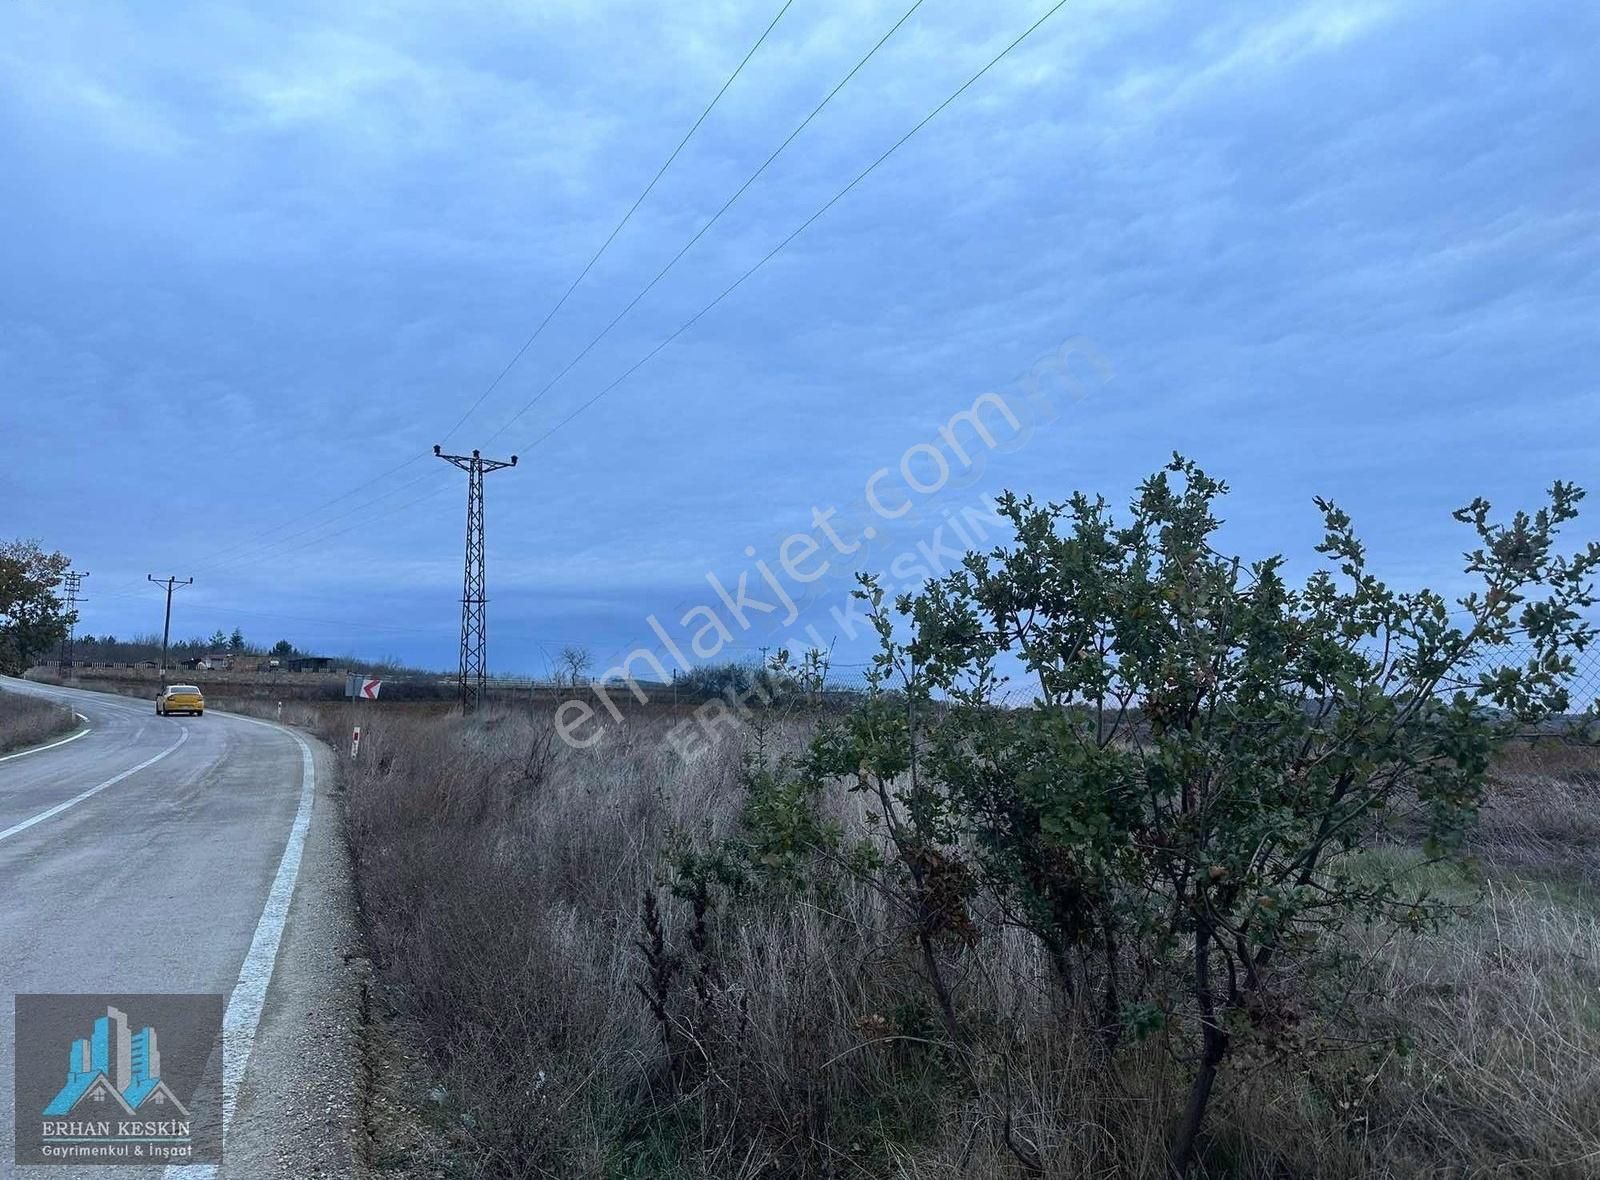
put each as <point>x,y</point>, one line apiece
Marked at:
<point>130,1078</point>
<point>114,1088</point>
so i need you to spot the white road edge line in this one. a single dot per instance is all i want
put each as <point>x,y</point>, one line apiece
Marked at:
<point>79,798</point>
<point>84,732</point>
<point>249,996</point>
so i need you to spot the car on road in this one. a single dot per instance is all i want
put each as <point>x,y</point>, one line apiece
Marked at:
<point>180,698</point>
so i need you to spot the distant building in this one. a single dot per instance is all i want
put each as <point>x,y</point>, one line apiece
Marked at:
<point>310,664</point>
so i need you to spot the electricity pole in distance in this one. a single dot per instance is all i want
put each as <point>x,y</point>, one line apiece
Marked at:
<point>474,613</point>
<point>171,584</point>
<point>74,583</point>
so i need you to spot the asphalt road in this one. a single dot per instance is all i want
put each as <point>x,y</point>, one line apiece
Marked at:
<point>190,854</point>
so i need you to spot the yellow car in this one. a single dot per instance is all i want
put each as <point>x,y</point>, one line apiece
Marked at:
<point>180,698</point>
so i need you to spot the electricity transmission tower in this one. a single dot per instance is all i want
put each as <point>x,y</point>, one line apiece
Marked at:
<point>474,613</point>
<point>166,629</point>
<point>74,583</point>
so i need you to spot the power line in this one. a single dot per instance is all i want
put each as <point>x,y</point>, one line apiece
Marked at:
<point>715,217</point>
<point>689,323</point>
<point>832,201</point>
<point>265,551</point>
<point>232,614</point>
<point>243,546</point>
<point>228,613</point>
<point>803,226</point>
<point>684,249</point>
<point>170,584</point>
<point>549,315</point>
<point>73,586</point>
<point>626,217</point>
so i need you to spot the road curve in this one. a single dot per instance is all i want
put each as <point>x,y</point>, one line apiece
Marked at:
<point>161,854</point>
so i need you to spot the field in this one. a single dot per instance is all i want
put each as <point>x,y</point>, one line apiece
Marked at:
<point>557,1011</point>
<point>27,721</point>
<point>239,685</point>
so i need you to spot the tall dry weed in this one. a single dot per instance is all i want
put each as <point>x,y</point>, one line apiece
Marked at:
<point>590,1015</point>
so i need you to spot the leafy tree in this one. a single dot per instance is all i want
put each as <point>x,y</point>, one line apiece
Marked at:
<point>33,618</point>
<point>236,641</point>
<point>219,639</point>
<point>283,649</point>
<point>1180,817</point>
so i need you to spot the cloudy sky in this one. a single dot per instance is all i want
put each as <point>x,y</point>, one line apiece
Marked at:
<point>257,261</point>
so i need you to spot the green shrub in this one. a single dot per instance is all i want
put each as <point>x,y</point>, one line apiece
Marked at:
<point>1176,818</point>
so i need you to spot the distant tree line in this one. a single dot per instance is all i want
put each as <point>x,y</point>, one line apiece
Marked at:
<point>34,620</point>
<point>110,649</point>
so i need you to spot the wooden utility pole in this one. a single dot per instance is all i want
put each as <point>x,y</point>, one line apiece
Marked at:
<point>71,591</point>
<point>171,584</point>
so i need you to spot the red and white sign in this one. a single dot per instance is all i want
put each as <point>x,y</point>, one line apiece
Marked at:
<point>355,741</point>
<point>369,689</point>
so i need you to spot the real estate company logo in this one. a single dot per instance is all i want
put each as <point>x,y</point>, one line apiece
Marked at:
<point>129,1093</point>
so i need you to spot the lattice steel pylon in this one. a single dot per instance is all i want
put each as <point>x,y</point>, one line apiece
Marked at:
<point>474,601</point>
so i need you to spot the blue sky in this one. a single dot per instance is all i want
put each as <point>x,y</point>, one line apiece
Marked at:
<point>257,259</point>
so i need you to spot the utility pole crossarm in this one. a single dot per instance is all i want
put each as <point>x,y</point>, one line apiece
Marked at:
<point>473,675</point>
<point>170,584</point>
<point>71,591</point>
<point>467,462</point>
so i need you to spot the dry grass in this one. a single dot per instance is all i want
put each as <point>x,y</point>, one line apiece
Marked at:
<point>502,880</point>
<point>28,720</point>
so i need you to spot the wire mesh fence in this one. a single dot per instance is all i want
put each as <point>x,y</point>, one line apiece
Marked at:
<point>1583,684</point>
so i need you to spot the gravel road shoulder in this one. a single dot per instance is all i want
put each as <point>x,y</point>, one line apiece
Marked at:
<point>300,1104</point>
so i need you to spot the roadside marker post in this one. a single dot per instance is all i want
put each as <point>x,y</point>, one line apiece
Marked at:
<point>359,688</point>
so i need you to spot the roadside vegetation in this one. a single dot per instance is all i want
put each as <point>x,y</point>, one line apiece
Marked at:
<point>1265,884</point>
<point>33,618</point>
<point>28,721</point>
